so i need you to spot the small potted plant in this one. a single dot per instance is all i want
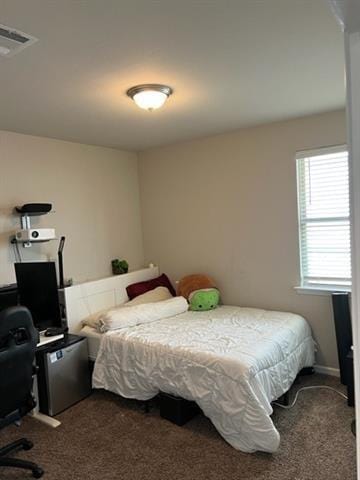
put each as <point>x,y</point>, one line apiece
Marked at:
<point>119,266</point>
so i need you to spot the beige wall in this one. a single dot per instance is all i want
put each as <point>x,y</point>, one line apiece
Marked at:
<point>95,196</point>
<point>226,205</point>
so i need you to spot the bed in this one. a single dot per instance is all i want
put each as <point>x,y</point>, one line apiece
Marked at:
<point>232,361</point>
<point>94,339</point>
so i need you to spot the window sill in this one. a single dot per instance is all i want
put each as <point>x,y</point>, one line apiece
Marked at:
<point>322,290</point>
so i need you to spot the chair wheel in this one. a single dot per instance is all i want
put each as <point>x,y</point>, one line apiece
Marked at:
<point>37,472</point>
<point>27,445</point>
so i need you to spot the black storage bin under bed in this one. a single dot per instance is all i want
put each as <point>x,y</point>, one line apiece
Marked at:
<point>177,410</point>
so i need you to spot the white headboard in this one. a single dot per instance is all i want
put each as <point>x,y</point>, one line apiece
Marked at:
<point>86,298</point>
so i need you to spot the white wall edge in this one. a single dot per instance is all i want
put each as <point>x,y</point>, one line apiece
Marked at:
<point>334,372</point>
<point>352,57</point>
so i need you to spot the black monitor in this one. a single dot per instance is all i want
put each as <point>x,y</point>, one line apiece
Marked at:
<point>38,291</point>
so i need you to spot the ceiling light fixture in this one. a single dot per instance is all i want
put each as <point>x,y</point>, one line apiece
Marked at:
<point>149,96</point>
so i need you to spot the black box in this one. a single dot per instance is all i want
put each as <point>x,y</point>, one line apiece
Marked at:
<point>176,409</point>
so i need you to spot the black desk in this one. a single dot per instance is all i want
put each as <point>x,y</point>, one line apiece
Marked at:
<point>8,296</point>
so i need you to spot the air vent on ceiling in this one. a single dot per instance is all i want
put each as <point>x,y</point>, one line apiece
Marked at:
<point>13,41</point>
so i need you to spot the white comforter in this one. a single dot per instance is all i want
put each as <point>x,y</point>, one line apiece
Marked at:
<point>232,361</point>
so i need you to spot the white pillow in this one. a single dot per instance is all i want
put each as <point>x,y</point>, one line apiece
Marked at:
<point>145,313</point>
<point>93,319</point>
<point>158,294</point>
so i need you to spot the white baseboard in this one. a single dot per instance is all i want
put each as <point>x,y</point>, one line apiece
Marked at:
<point>334,372</point>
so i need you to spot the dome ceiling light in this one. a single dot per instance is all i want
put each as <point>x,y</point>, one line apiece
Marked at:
<point>149,96</point>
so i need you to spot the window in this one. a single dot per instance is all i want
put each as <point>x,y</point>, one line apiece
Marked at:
<point>324,218</point>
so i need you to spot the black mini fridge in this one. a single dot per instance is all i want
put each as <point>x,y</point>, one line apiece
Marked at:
<point>64,376</point>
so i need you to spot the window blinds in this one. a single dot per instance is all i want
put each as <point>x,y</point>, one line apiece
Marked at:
<point>324,217</point>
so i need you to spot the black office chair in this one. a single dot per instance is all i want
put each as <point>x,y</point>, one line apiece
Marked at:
<point>18,339</point>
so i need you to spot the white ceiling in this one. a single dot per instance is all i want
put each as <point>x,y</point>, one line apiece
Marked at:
<point>231,63</point>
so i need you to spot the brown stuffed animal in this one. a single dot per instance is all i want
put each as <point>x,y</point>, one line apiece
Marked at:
<point>190,283</point>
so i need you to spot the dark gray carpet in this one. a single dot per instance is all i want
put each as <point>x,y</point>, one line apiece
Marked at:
<point>106,437</point>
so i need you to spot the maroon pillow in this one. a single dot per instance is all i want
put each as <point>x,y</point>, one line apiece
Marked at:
<point>139,288</point>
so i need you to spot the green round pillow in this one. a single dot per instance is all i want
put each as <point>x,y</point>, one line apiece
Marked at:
<point>202,300</point>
